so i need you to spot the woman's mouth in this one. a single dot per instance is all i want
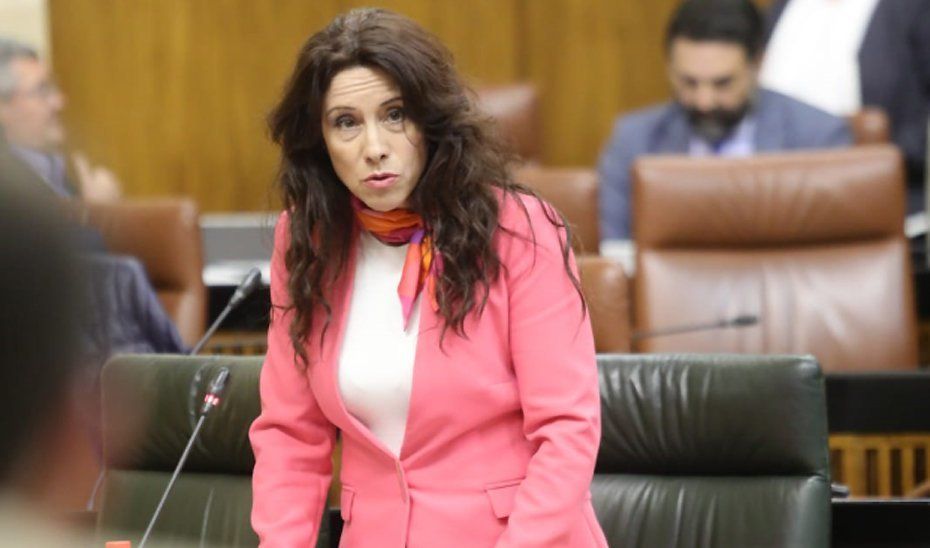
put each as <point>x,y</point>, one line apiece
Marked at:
<point>380,180</point>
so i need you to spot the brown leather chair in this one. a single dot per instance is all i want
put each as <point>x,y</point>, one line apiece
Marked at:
<point>811,242</point>
<point>574,192</point>
<point>606,290</point>
<point>164,234</point>
<point>516,109</point>
<point>870,126</point>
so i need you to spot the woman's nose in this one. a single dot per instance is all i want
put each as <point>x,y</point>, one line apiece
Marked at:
<point>376,149</point>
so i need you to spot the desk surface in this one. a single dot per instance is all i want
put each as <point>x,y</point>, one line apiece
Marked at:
<point>881,522</point>
<point>878,402</point>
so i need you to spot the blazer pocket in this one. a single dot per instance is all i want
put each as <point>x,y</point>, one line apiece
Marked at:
<point>501,496</point>
<point>345,503</point>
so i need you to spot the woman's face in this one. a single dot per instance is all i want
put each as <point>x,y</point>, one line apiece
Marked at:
<point>377,153</point>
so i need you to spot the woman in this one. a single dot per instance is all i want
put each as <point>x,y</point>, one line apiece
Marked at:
<point>424,306</point>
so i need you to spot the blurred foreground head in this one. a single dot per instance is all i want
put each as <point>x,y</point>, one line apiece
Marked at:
<point>39,325</point>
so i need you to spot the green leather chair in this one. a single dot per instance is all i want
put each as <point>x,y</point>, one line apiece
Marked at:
<point>712,450</point>
<point>696,451</point>
<point>149,407</point>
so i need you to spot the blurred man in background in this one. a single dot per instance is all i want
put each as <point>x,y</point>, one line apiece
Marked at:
<point>128,316</point>
<point>843,55</point>
<point>713,49</point>
<point>30,119</point>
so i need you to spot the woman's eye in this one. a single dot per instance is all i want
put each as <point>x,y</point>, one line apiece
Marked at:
<point>345,122</point>
<point>395,115</point>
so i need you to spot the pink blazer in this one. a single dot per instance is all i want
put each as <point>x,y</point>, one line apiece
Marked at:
<point>502,431</point>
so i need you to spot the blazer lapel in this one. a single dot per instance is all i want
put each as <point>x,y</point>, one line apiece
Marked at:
<point>331,350</point>
<point>427,344</point>
<point>770,127</point>
<point>672,136</point>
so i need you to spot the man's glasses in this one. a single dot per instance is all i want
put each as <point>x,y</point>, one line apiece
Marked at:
<point>44,91</point>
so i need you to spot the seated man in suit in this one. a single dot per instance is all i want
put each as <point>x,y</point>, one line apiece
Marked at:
<point>713,49</point>
<point>128,316</point>
<point>30,110</point>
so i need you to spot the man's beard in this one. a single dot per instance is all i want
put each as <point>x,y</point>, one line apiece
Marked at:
<point>716,125</point>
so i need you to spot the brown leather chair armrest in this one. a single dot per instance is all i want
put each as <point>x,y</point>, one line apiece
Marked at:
<point>574,192</point>
<point>164,234</point>
<point>606,290</point>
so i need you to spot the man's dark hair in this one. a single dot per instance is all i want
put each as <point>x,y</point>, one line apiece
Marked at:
<point>733,21</point>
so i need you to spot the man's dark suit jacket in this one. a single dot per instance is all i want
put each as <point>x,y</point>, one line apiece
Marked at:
<point>17,174</point>
<point>125,314</point>
<point>894,67</point>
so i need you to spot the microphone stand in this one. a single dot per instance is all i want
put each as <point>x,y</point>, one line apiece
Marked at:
<point>216,324</point>
<point>210,401</point>
<point>248,285</point>
<point>738,321</point>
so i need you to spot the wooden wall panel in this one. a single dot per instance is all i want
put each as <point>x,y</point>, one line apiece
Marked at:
<point>482,34</point>
<point>172,94</point>
<point>592,60</point>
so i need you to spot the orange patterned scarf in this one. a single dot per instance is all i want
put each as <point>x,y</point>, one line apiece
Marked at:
<point>402,226</point>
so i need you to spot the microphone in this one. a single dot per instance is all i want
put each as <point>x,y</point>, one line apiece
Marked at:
<point>211,400</point>
<point>248,285</point>
<point>214,394</point>
<point>743,320</point>
<point>251,282</point>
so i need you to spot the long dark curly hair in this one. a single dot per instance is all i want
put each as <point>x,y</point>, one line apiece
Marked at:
<point>466,162</point>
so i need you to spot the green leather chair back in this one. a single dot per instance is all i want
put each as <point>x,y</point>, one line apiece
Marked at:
<point>712,450</point>
<point>149,412</point>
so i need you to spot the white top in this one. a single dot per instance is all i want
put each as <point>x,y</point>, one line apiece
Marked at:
<point>813,54</point>
<point>377,355</point>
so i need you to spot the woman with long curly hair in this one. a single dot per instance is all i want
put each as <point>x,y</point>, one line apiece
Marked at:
<point>425,306</point>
